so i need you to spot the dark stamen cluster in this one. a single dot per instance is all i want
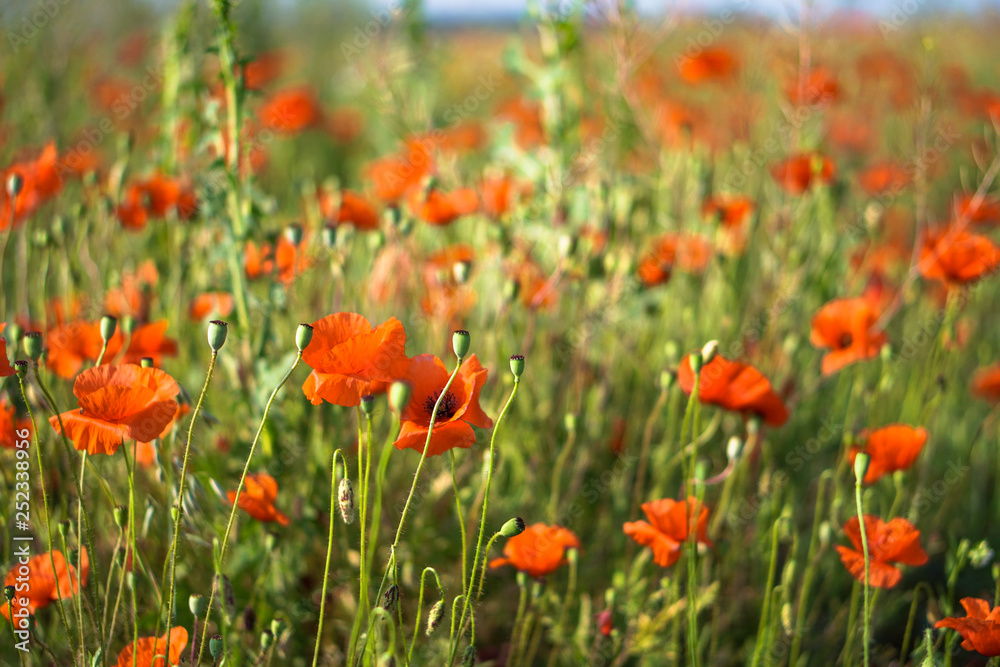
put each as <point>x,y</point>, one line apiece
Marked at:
<point>449,404</point>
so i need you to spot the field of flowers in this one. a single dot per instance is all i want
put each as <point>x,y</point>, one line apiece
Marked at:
<point>331,336</point>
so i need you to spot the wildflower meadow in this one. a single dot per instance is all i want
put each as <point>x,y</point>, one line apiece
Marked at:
<point>336,333</point>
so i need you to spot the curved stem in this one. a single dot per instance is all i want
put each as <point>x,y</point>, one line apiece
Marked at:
<point>329,546</point>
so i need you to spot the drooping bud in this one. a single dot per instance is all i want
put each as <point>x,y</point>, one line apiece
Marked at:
<point>517,365</point>
<point>121,515</point>
<point>266,640</point>
<point>435,617</point>
<point>469,657</point>
<point>861,465</point>
<point>345,498</point>
<point>108,326</point>
<point>196,603</point>
<point>513,527</point>
<point>390,598</point>
<point>399,396</point>
<point>217,331</point>
<point>303,336</point>
<point>460,342</point>
<point>33,345</point>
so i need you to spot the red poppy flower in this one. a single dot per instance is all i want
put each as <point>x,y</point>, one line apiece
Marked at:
<point>957,257</point>
<point>353,209</point>
<point>156,197</point>
<point>539,550</point>
<point>395,176</point>
<point>70,345</point>
<point>731,211</point>
<point>883,177</point>
<point>257,499</point>
<point>440,208</point>
<point>291,110</point>
<point>290,260</point>
<point>40,181</point>
<point>6,370</point>
<point>819,87</point>
<point>526,116</point>
<point>149,340</point>
<point>712,64</point>
<point>155,651</point>
<point>459,410</point>
<point>350,359</point>
<point>980,627</point>
<point>797,173</point>
<point>734,386</point>
<point>119,403</point>
<point>43,584</point>
<point>846,328</point>
<point>262,70</point>
<point>689,252</point>
<point>500,194</point>
<point>10,425</point>
<point>986,383</point>
<point>987,212</point>
<point>891,448</point>
<point>668,527</point>
<point>134,295</point>
<point>217,305</point>
<point>897,541</point>
<point>258,261</point>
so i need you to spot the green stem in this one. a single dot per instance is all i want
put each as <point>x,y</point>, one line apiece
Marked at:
<point>765,612</point>
<point>329,546</point>
<point>864,549</point>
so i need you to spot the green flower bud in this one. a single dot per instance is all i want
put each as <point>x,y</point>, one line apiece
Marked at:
<point>15,184</point>
<point>399,396</point>
<point>303,336</point>
<point>330,236</point>
<point>266,640</point>
<point>128,325</point>
<point>435,617</point>
<point>217,331</point>
<point>709,351</point>
<point>277,626</point>
<point>461,272</point>
<point>511,290</point>
<point>513,527</point>
<point>146,362</point>
<point>570,422</point>
<point>33,345</point>
<point>108,326</point>
<point>469,656</point>
<point>667,379</point>
<point>517,365</point>
<point>9,592</point>
<point>733,448</point>
<point>293,233</point>
<point>460,342</point>
<point>696,362</point>
<point>861,465</point>
<point>121,515</point>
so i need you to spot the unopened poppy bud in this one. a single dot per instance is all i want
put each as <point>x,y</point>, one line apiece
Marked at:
<point>33,345</point>
<point>567,245</point>
<point>21,367</point>
<point>330,236</point>
<point>511,289</point>
<point>696,362</point>
<point>266,639</point>
<point>861,465</point>
<point>513,527</point>
<point>217,330</point>
<point>196,603</point>
<point>569,421</point>
<point>753,424</point>
<point>345,497</point>
<point>995,571</point>
<point>672,351</point>
<point>786,619</point>
<point>277,626</point>
<point>120,556</point>
<point>667,379</point>
<point>390,598</point>
<point>460,342</point>
<point>825,534</point>
<point>709,351</point>
<point>293,233</point>
<point>128,325</point>
<point>303,336</point>
<point>368,404</point>
<point>225,590</point>
<point>461,272</point>
<point>121,515</point>
<point>146,362</point>
<point>517,365</point>
<point>13,334</point>
<point>9,591</point>
<point>469,657</point>
<point>64,527</point>
<point>399,396</point>
<point>15,183</point>
<point>733,448</point>
<point>435,617</point>
<point>215,647</point>
<point>376,240</point>
<point>885,353</point>
<point>175,511</point>
<point>981,555</point>
<point>108,326</point>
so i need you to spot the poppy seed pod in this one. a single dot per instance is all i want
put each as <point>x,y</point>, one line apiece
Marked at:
<point>146,362</point>
<point>196,603</point>
<point>517,365</point>
<point>345,498</point>
<point>217,330</point>
<point>513,527</point>
<point>461,340</point>
<point>21,367</point>
<point>368,405</point>
<point>108,326</point>
<point>399,396</point>
<point>8,592</point>
<point>861,465</point>
<point>435,617</point>
<point>33,345</point>
<point>215,647</point>
<point>303,336</point>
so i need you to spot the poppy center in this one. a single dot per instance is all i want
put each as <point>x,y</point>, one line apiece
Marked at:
<point>845,340</point>
<point>449,404</point>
